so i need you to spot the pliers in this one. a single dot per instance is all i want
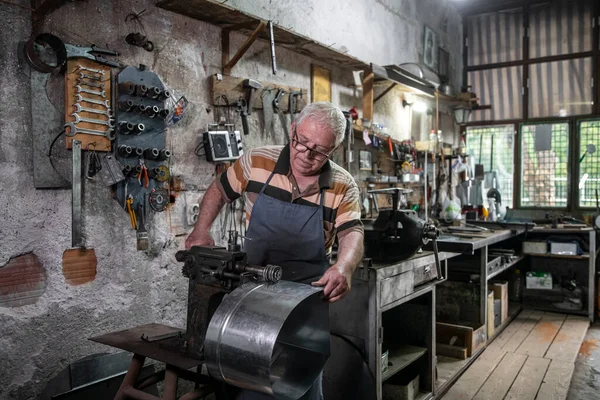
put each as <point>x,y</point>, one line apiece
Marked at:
<point>131,212</point>
<point>85,52</point>
<point>143,174</point>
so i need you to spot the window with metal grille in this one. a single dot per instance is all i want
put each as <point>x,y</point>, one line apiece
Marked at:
<point>493,147</point>
<point>544,161</point>
<point>589,162</point>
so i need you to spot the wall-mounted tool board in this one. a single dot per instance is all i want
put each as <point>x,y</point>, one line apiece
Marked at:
<point>88,142</point>
<point>232,88</point>
<point>153,136</point>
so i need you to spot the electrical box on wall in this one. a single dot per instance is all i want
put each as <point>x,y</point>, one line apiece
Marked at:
<point>222,143</point>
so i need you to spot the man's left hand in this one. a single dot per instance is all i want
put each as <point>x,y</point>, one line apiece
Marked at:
<point>336,283</point>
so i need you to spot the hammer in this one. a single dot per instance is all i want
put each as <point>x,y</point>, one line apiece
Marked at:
<point>252,86</point>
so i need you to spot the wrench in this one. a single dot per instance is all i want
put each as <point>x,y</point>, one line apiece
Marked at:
<point>88,76</point>
<point>80,98</point>
<point>73,130</point>
<point>97,93</point>
<point>98,71</point>
<point>91,84</point>
<point>110,123</point>
<point>107,112</point>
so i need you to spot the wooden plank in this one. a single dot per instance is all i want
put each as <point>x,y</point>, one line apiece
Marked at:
<point>88,142</point>
<point>514,334</point>
<point>468,384</point>
<point>447,367</point>
<point>542,335</point>
<point>232,88</point>
<point>556,382</point>
<point>567,342</point>
<point>526,386</point>
<point>497,385</point>
<point>244,47</point>
<point>451,351</point>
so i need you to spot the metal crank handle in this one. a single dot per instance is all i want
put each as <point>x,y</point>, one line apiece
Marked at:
<point>107,112</point>
<point>98,71</point>
<point>438,265</point>
<point>74,130</point>
<point>110,122</point>
<point>97,93</point>
<point>79,98</point>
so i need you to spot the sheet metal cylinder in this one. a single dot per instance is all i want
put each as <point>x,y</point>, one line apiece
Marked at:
<point>269,338</point>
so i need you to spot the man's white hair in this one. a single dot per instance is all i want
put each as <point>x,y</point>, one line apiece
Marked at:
<point>327,116</point>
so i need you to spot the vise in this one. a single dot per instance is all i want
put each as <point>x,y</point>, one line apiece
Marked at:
<point>214,272</point>
<point>398,234</point>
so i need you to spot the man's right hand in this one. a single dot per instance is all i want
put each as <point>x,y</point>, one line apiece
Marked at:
<point>200,238</point>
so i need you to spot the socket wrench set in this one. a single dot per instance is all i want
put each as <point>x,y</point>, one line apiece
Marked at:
<point>140,127</point>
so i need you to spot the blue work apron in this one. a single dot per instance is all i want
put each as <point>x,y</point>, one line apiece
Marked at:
<point>289,235</point>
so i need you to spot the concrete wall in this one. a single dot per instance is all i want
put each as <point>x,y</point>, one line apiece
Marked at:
<point>131,287</point>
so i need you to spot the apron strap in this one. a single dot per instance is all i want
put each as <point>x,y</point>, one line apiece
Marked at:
<point>262,190</point>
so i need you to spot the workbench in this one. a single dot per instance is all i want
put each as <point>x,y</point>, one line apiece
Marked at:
<point>386,311</point>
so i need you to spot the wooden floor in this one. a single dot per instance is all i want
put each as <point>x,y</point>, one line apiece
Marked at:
<point>533,358</point>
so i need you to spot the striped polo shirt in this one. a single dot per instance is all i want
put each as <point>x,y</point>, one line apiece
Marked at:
<point>341,210</point>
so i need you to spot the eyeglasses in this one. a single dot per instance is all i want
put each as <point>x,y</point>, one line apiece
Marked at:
<point>315,154</point>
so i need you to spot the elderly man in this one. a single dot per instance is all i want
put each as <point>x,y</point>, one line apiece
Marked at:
<point>297,200</point>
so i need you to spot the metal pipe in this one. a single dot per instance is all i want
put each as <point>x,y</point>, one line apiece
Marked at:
<point>425,183</point>
<point>197,393</point>
<point>150,380</point>
<point>133,393</point>
<point>137,362</point>
<point>170,388</point>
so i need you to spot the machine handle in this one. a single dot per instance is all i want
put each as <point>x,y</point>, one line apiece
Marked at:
<point>438,266</point>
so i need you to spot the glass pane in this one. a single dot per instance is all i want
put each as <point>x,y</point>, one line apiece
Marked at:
<point>560,27</point>
<point>495,37</point>
<point>561,88</point>
<point>589,164</point>
<point>544,160</point>
<point>500,88</point>
<point>493,146</point>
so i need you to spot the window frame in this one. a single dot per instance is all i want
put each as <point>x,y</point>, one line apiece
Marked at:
<point>519,158</point>
<point>514,160</point>
<point>576,166</point>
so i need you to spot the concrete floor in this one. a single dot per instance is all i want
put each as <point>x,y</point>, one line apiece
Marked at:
<point>585,383</point>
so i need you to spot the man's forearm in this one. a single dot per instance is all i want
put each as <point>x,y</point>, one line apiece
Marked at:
<point>350,251</point>
<point>210,206</point>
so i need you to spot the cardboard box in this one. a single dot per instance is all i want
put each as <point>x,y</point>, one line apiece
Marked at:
<point>563,248</point>
<point>538,280</point>
<point>535,247</point>
<point>501,293</point>
<point>490,313</point>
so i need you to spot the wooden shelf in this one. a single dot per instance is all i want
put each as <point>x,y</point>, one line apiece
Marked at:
<point>567,256</point>
<point>400,358</point>
<point>217,12</point>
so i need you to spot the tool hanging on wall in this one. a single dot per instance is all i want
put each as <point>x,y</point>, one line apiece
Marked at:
<point>138,39</point>
<point>78,263</point>
<point>62,51</point>
<point>282,118</point>
<point>251,86</point>
<point>272,42</point>
<point>267,97</point>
